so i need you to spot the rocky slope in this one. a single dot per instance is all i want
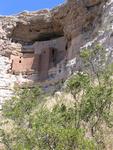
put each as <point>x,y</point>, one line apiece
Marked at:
<point>79,22</point>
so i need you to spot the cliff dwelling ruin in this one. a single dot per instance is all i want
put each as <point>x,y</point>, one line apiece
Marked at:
<point>39,58</point>
<point>44,45</point>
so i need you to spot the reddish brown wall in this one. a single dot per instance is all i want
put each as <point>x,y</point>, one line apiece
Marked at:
<point>25,64</point>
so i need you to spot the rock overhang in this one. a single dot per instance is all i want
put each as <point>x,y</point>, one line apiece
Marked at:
<point>67,19</point>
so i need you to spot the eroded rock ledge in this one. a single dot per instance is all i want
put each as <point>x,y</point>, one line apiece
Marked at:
<point>69,19</point>
<point>44,46</point>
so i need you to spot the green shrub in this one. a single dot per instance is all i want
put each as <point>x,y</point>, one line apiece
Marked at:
<point>62,127</point>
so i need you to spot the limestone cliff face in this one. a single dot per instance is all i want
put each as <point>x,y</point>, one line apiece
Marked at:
<point>44,46</point>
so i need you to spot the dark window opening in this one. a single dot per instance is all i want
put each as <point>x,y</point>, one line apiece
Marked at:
<point>20,60</point>
<point>53,52</point>
<point>53,55</point>
<point>66,47</point>
<point>59,70</point>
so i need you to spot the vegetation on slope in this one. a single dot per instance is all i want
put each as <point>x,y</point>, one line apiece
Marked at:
<point>81,126</point>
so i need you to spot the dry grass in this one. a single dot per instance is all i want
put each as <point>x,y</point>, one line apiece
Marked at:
<point>59,98</point>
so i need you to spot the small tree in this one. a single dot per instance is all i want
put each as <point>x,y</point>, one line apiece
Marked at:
<point>94,107</point>
<point>95,61</point>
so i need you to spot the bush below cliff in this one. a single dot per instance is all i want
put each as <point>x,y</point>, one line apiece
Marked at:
<point>85,124</point>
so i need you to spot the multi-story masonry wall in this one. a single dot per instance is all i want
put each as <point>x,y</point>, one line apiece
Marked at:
<point>44,56</point>
<point>26,63</point>
<point>51,53</point>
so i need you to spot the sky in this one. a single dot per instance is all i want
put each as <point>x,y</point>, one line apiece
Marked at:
<point>11,7</point>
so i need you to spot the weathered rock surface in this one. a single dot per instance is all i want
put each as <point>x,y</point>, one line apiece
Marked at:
<point>90,3</point>
<point>69,19</point>
<point>77,21</point>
